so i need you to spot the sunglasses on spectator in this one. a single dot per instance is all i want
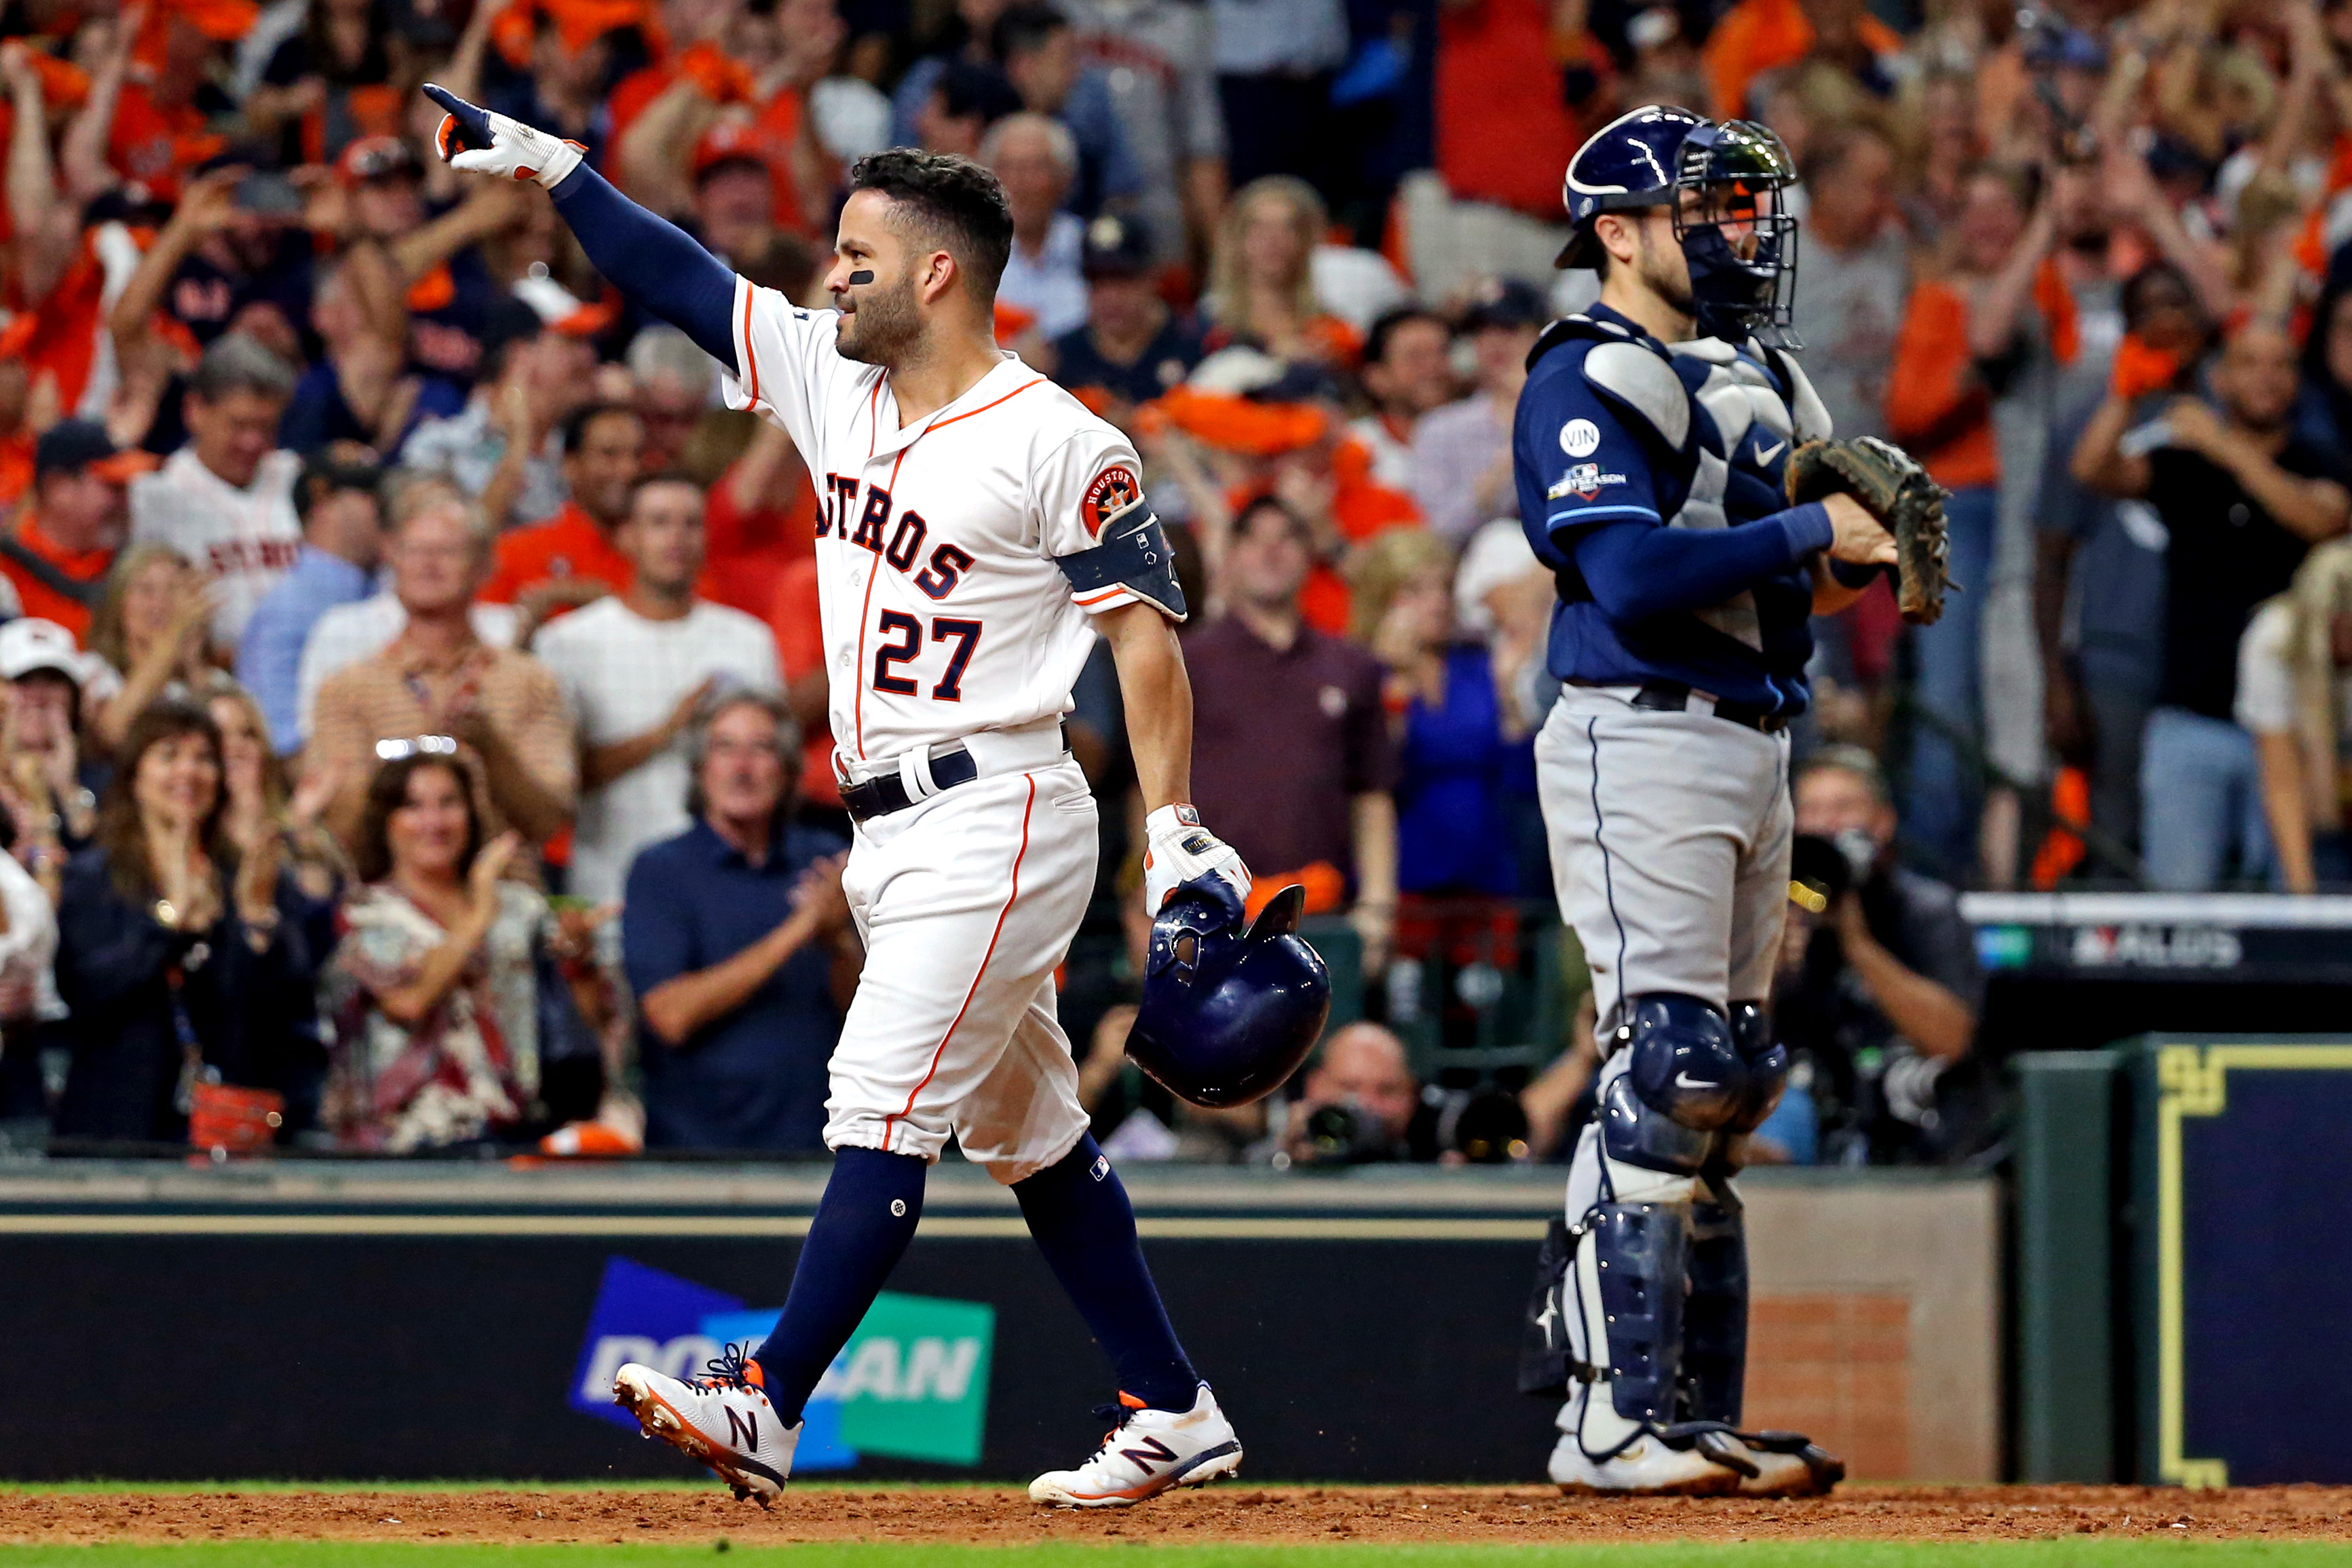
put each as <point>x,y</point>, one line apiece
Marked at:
<point>419,746</point>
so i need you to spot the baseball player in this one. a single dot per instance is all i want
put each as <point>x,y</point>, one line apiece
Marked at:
<point>1649,446</point>
<point>979,529</point>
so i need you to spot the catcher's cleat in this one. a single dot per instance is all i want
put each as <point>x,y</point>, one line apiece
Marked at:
<point>1147,1452</point>
<point>1777,1464</point>
<point>1647,1467</point>
<point>722,1419</point>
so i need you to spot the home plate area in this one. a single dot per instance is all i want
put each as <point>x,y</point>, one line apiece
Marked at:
<point>980,1515</point>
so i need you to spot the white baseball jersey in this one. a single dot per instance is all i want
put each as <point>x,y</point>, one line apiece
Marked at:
<point>943,609</point>
<point>244,540</point>
<point>945,615</point>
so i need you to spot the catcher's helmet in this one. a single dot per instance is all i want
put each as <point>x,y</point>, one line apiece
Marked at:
<point>1738,240</point>
<point>1228,1014</point>
<point>1632,161</point>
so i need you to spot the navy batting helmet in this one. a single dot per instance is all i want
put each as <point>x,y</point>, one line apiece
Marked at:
<point>1228,1014</point>
<point>1632,161</point>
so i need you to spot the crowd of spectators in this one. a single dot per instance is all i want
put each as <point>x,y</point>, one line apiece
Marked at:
<point>415,727</point>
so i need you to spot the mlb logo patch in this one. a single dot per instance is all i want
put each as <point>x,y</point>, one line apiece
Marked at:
<point>1583,482</point>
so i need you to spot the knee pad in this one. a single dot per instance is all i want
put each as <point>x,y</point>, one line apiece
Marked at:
<point>1684,1063</point>
<point>1641,1250</point>
<point>1633,1132</point>
<point>1766,1062</point>
<point>1714,1313</point>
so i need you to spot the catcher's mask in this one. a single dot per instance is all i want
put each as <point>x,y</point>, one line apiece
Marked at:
<point>1737,234</point>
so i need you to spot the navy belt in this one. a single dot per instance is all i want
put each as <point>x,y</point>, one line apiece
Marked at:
<point>886,793</point>
<point>1673,696</point>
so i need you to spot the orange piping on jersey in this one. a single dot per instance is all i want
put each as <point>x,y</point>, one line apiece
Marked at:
<point>889,1122</point>
<point>1107,594</point>
<point>859,706</point>
<point>873,419</point>
<point>750,363</point>
<point>983,408</point>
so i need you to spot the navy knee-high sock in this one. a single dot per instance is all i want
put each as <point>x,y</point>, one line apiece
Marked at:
<point>862,1227</point>
<point>1078,1213</point>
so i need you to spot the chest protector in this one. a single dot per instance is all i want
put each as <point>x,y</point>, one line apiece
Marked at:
<point>1716,423</point>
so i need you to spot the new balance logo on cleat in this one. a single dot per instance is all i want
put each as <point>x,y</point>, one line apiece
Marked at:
<point>1153,1451</point>
<point>715,1419</point>
<point>743,1430</point>
<point>1148,1452</point>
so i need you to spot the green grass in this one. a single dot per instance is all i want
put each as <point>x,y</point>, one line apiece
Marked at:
<point>2067,1553</point>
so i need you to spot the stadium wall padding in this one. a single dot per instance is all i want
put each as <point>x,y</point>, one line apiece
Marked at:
<point>254,1323</point>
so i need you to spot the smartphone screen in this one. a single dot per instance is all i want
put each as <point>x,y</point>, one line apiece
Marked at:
<point>268,194</point>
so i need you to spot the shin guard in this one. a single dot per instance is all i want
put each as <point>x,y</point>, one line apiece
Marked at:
<point>1641,1250</point>
<point>1715,1315</point>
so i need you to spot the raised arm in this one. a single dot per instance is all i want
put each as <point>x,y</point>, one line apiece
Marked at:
<point>2101,461</point>
<point>654,262</point>
<point>43,223</point>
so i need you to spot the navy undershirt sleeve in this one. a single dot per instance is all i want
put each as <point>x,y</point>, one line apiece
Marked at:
<point>653,261</point>
<point>1635,569</point>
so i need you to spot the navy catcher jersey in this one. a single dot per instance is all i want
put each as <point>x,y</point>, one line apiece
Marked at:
<point>1614,427</point>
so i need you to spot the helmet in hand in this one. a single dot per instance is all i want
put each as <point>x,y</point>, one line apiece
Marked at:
<point>1228,1013</point>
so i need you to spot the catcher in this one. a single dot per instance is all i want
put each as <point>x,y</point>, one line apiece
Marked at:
<point>1653,451</point>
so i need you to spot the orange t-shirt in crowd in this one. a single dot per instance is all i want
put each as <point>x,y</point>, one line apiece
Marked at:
<point>569,544</point>
<point>15,466</point>
<point>722,80</point>
<point>800,648</point>
<point>57,337</point>
<point>81,567</point>
<point>1935,406</point>
<point>747,550</point>
<point>775,124</point>
<point>1503,131</point>
<point>1755,36</point>
<point>155,145</point>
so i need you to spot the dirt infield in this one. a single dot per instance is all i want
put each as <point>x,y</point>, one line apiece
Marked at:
<point>1239,1512</point>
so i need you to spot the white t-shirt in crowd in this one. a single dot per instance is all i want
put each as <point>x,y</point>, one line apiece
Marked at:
<point>2266,700</point>
<point>623,674</point>
<point>1392,458</point>
<point>244,540</point>
<point>349,633</point>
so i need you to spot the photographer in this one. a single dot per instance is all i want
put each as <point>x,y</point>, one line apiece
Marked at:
<point>1359,1102</point>
<point>1878,992</point>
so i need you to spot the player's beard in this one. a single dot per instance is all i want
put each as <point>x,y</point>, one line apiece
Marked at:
<point>1662,267</point>
<point>883,327</point>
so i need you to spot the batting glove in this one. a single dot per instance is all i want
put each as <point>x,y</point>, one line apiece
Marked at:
<point>481,142</point>
<point>1177,850</point>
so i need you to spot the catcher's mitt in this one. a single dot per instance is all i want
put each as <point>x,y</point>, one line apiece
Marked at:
<point>1895,489</point>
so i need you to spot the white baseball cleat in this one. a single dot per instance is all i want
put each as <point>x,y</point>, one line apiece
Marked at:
<point>722,1419</point>
<point>1645,1466</point>
<point>1150,1451</point>
<point>1786,1465</point>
